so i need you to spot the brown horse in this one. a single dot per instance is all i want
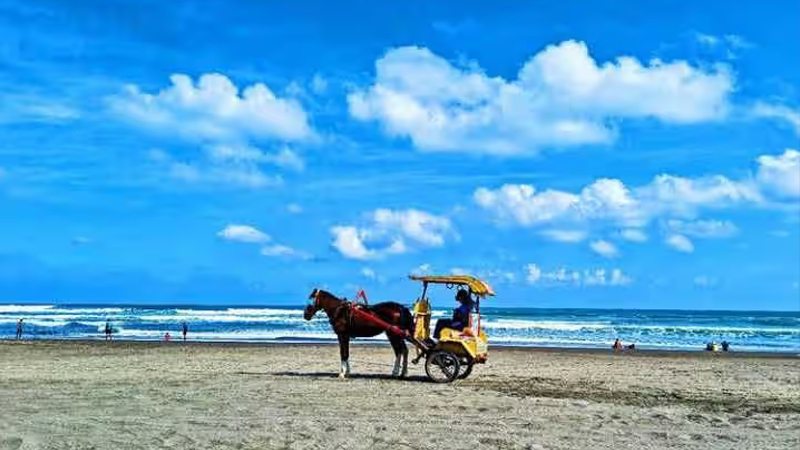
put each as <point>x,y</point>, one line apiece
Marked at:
<point>347,325</point>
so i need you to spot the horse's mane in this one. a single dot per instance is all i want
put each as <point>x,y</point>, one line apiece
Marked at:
<point>344,299</point>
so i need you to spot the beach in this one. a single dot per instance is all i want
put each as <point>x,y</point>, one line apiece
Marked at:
<point>148,395</point>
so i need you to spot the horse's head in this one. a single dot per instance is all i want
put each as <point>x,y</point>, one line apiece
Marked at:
<point>313,305</point>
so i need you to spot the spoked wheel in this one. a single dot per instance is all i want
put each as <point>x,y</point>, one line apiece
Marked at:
<point>466,368</point>
<point>442,367</point>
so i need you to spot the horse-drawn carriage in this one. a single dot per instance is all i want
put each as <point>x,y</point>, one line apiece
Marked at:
<point>449,356</point>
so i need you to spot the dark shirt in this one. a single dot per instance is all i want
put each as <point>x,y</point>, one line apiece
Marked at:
<point>461,316</point>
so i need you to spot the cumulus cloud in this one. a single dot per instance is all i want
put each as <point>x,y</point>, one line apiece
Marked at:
<point>367,272</point>
<point>214,109</point>
<point>568,277</point>
<point>604,248</point>
<point>780,174</point>
<point>560,97</point>
<point>390,232</point>
<point>703,228</point>
<point>225,123</point>
<point>674,201</point>
<point>243,233</point>
<point>680,243</point>
<point>610,200</point>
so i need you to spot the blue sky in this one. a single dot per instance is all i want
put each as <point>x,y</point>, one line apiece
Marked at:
<point>607,155</point>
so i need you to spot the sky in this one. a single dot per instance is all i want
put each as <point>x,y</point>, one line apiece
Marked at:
<point>611,154</point>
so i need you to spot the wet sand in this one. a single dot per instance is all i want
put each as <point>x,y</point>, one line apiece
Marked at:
<point>93,395</point>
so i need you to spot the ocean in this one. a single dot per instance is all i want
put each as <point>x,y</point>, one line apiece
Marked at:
<point>582,328</point>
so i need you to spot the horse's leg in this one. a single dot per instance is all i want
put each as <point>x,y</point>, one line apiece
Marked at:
<point>400,367</point>
<point>396,348</point>
<point>344,353</point>
<point>404,349</point>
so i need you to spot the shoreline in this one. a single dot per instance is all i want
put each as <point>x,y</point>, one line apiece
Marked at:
<point>492,348</point>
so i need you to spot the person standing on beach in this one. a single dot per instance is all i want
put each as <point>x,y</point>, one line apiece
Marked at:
<point>108,331</point>
<point>19,329</point>
<point>185,331</point>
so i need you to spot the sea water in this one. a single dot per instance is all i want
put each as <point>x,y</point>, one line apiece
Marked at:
<point>583,328</point>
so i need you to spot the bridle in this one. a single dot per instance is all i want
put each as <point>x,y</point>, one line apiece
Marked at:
<point>315,304</point>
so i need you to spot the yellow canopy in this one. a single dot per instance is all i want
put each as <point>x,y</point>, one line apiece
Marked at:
<point>477,286</point>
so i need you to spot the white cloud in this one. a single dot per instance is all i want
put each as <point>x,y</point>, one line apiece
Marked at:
<point>319,84</point>
<point>279,250</point>
<point>600,277</point>
<point>562,276</point>
<point>668,194</point>
<point>604,248</point>
<point>214,109</point>
<point>705,281</point>
<point>568,236</point>
<point>709,40</point>
<point>567,277</point>
<point>561,97</point>
<point>294,208</point>
<point>390,232</point>
<point>532,273</point>
<point>780,174</point>
<point>366,272</point>
<point>419,226</point>
<point>780,113</point>
<point>231,175</point>
<point>226,123</point>
<point>730,44</point>
<point>703,228</point>
<point>610,200</point>
<point>633,235</point>
<point>680,243</point>
<point>619,279</point>
<point>348,241</point>
<point>422,269</point>
<point>673,200</point>
<point>243,233</point>
<point>521,204</point>
<point>21,108</point>
<point>288,159</point>
<point>248,156</point>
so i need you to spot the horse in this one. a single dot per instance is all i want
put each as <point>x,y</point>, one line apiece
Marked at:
<point>347,325</point>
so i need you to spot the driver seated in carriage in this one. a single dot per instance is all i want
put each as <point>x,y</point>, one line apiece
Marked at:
<point>461,315</point>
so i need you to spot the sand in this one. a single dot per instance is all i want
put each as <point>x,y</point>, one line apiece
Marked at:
<point>80,395</point>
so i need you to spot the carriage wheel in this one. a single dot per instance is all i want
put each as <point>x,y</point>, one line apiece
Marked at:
<point>466,368</point>
<point>442,367</point>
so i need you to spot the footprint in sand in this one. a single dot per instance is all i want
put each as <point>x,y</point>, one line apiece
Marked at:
<point>13,443</point>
